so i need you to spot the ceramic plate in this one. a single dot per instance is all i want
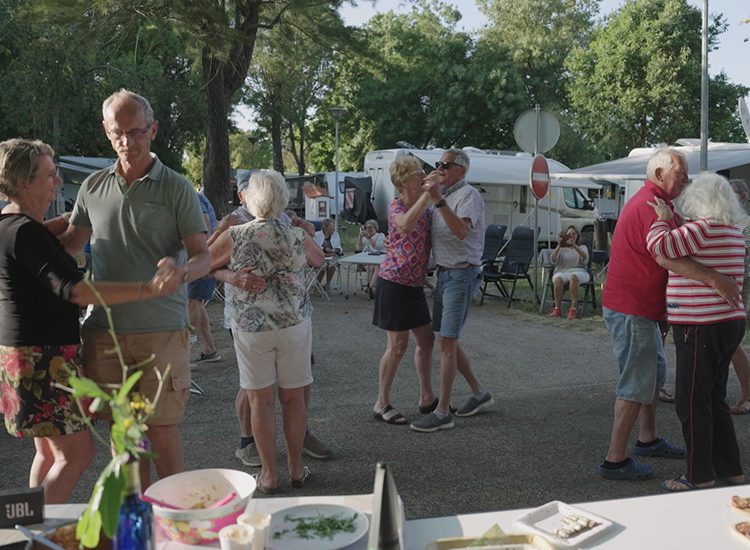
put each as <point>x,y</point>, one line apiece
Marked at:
<point>281,534</point>
<point>548,518</point>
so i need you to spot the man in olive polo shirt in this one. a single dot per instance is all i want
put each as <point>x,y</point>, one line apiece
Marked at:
<point>137,212</point>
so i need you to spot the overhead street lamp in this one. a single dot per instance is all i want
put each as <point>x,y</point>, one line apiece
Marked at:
<point>253,140</point>
<point>336,113</point>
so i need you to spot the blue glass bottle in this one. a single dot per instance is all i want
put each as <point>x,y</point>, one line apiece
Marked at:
<point>135,528</point>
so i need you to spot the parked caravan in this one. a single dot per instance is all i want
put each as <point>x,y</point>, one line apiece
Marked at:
<point>503,179</point>
<point>731,160</point>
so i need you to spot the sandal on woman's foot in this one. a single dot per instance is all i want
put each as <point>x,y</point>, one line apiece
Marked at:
<point>397,419</point>
<point>262,488</point>
<point>742,407</point>
<point>665,396</point>
<point>299,483</point>
<point>555,312</point>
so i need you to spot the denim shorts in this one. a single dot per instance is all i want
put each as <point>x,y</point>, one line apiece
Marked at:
<point>201,289</point>
<point>453,294</point>
<point>639,351</point>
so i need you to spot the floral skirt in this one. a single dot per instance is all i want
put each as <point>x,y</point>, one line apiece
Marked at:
<point>33,406</point>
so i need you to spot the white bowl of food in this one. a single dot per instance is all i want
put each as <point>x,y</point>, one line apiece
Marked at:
<point>192,494</point>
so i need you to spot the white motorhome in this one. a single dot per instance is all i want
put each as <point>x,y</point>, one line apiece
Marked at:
<point>731,160</point>
<point>503,179</point>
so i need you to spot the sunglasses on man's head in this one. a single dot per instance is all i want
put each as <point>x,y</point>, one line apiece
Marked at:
<point>445,165</point>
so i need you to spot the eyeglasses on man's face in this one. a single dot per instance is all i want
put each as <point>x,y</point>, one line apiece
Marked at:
<point>445,165</point>
<point>135,133</point>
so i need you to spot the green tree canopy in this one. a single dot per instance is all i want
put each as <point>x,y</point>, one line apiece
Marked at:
<point>638,83</point>
<point>422,82</point>
<point>220,33</point>
<point>537,36</point>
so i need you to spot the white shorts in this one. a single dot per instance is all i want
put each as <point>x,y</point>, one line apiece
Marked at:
<point>283,356</point>
<point>583,276</point>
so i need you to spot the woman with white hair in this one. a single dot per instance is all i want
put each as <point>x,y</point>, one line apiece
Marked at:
<point>271,327</point>
<point>706,328</point>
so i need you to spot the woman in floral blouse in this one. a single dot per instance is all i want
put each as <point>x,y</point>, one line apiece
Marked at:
<point>40,291</point>
<point>271,327</point>
<point>400,303</point>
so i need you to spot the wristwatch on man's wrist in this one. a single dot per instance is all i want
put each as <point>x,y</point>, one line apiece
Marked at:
<point>440,204</point>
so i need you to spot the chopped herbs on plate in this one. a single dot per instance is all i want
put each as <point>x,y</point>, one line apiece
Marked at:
<point>320,526</point>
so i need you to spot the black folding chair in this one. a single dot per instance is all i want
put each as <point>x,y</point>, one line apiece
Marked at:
<point>516,263</point>
<point>493,242</point>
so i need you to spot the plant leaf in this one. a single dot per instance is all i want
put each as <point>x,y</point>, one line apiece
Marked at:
<point>109,506</point>
<point>117,434</point>
<point>132,379</point>
<point>87,388</point>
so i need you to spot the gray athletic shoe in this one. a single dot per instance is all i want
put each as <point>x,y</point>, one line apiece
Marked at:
<point>431,423</point>
<point>314,447</point>
<point>474,405</point>
<point>207,358</point>
<point>249,455</point>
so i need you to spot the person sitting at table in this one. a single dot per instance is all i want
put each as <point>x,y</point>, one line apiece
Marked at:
<point>41,290</point>
<point>400,303</point>
<point>371,242</point>
<point>707,328</point>
<point>328,239</point>
<point>570,259</point>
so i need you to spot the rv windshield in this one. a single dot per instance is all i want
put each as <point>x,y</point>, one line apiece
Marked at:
<point>575,199</point>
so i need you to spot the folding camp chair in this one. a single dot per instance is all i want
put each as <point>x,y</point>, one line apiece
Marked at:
<point>493,242</point>
<point>516,263</point>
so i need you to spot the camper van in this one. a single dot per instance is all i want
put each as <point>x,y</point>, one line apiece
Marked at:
<point>731,160</point>
<point>503,179</point>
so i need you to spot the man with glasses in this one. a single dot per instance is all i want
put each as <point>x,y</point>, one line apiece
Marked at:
<point>136,212</point>
<point>458,242</point>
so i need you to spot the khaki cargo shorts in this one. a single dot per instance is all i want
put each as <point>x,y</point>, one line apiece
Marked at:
<point>169,348</point>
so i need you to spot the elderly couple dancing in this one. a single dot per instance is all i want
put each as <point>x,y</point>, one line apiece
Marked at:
<point>454,228</point>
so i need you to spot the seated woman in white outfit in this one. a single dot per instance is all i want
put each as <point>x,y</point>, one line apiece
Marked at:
<point>570,259</point>
<point>328,239</point>
<point>372,242</point>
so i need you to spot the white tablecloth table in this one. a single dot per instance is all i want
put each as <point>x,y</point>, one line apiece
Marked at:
<point>59,514</point>
<point>669,521</point>
<point>363,258</point>
<point>666,521</point>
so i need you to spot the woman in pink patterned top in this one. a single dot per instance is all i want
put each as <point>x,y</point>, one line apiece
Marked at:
<point>400,303</point>
<point>707,329</point>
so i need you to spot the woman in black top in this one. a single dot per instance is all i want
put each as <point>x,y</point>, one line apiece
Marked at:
<point>40,291</point>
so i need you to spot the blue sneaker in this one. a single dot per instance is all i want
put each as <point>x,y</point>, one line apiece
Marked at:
<point>633,472</point>
<point>662,449</point>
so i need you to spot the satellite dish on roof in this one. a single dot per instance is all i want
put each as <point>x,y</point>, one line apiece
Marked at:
<point>744,117</point>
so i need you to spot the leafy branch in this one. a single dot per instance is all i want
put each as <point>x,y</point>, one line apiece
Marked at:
<point>130,412</point>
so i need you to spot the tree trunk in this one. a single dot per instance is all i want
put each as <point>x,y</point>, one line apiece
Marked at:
<point>223,74</point>
<point>216,157</point>
<point>278,156</point>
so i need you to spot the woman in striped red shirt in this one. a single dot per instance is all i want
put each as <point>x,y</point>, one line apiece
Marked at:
<point>706,328</point>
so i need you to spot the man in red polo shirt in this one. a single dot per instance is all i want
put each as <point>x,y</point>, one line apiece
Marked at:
<point>634,302</point>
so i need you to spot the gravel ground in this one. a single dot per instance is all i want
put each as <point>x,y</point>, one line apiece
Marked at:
<point>553,381</point>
